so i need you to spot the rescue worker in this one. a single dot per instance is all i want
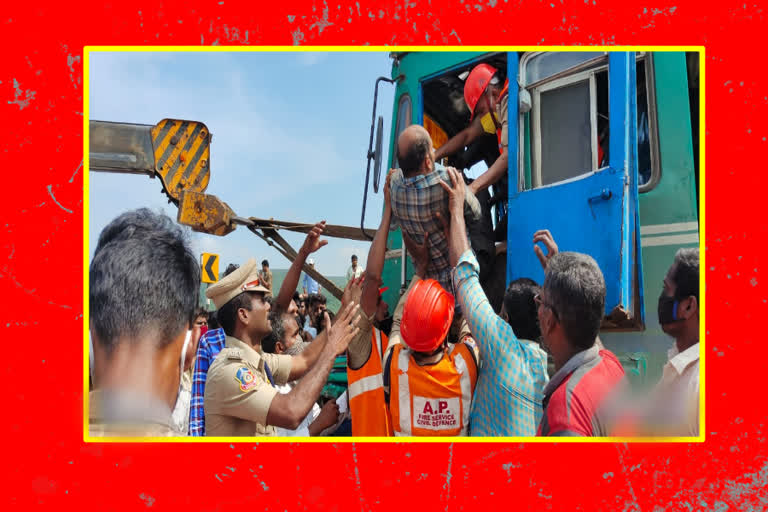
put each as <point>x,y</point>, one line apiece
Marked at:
<point>487,101</point>
<point>429,382</point>
<point>367,399</point>
<point>240,394</point>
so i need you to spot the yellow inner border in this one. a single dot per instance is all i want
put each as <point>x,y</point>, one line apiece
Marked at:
<point>290,440</point>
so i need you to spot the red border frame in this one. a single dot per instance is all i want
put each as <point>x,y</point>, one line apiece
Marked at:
<point>41,104</point>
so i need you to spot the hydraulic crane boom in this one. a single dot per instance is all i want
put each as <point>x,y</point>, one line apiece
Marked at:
<point>178,153</point>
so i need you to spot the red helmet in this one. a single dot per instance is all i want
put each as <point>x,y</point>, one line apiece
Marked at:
<point>476,83</point>
<point>427,316</point>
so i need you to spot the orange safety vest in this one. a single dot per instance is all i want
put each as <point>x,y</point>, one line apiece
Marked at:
<point>367,404</point>
<point>431,400</point>
<point>504,91</point>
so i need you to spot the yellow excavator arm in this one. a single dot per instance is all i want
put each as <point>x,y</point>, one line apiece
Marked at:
<point>178,153</point>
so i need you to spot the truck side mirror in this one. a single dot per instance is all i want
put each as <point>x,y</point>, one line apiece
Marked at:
<point>377,155</point>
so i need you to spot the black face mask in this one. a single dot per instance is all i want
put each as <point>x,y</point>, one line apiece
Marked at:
<point>667,309</point>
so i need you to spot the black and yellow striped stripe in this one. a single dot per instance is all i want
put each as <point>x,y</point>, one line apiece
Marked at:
<point>182,155</point>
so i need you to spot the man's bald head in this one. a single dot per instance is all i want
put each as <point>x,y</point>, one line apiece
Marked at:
<point>414,150</point>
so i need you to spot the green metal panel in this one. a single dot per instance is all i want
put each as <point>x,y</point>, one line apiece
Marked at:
<point>526,149</point>
<point>672,201</point>
<point>674,198</point>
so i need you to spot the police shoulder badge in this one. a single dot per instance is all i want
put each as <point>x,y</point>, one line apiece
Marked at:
<point>245,377</point>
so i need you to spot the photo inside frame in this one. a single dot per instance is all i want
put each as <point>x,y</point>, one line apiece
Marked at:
<point>208,288</point>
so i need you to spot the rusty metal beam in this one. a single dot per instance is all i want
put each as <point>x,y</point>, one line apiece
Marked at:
<point>286,250</point>
<point>331,230</point>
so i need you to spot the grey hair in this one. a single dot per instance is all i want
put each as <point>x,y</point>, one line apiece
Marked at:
<point>277,320</point>
<point>686,276</point>
<point>576,290</point>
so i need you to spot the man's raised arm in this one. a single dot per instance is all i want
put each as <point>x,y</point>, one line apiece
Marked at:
<point>311,244</point>
<point>461,140</point>
<point>376,253</point>
<point>288,411</point>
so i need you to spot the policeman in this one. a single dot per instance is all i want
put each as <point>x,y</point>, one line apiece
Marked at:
<point>240,394</point>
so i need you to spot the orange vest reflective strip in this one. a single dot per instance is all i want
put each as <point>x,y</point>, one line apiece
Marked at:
<point>367,404</point>
<point>379,340</point>
<point>433,400</point>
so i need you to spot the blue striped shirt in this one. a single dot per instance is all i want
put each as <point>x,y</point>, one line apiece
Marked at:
<point>208,348</point>
<point>311,285</point>
<point>510,384</point>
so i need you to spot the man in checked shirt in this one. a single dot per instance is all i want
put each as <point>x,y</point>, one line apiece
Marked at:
<point>419,202</point>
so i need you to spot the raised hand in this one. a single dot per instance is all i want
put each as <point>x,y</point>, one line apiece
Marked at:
<point>313,242</point>
<point>545,237</point>
<point>344,329</point>
<point>456,191</point>
<point>387,198</point>
<point>353,291</point>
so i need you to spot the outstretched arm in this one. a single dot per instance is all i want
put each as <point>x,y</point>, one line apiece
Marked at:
<point>458,242</point>
<point>375,263</point>
<point>302,363</point>
<point>546,238</point>
<point>311,244</point>
<point>461,140</point>
<point>288,411</point>
<point>366,287</point>
<point>487,328</point>
<point>492,175</point>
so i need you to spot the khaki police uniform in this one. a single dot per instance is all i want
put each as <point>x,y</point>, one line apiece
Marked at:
<point>238,391</point>
<point>240,384</point>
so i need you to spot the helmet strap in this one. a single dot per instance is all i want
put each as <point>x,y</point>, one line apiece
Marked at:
<point>426,359</point>
<point>491,110</point>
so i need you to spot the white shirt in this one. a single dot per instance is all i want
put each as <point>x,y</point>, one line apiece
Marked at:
<point>303,429</point>
<point>180,415</point>
<point>356,272</point>
<point>677,393</point>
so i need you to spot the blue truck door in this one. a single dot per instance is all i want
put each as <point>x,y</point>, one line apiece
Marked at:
<point>595,213</point>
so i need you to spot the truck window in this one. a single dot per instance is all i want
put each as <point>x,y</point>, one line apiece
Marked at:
<point>564,120</point>
<point>568,122</point>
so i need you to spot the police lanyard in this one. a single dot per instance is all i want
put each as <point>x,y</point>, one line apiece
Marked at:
<point>269,374</point>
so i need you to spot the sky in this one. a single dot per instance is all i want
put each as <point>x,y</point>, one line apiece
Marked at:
<point>290,139</point>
